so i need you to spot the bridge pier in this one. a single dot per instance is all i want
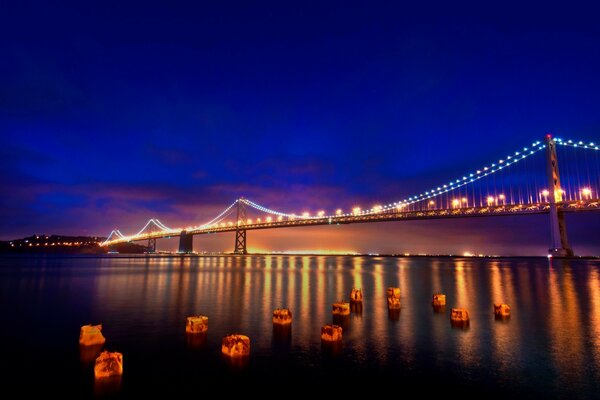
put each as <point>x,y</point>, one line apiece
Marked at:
<point>240,242</point>
<point>560,246</point>
<point>186,243</point>
<point>152,245</point>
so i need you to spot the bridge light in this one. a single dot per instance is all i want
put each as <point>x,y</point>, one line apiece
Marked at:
<point>490,200</point>
<point>258,220</point>
<point>305,214</point>
<point>464,199</point>
<point>280,218</point>
<point>455,202</point>
<point>269,219</point>
<point>545,193</point>
<point>249,221</point>
<point>321,213</point>
<point>338,211</point>
<point>377,208</point>
<point>230,223</point>
<point>356,210</point>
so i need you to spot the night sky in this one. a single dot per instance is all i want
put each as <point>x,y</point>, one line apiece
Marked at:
<point>113,112</point>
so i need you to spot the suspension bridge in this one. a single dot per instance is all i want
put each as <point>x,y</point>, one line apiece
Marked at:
<point>524,182</point>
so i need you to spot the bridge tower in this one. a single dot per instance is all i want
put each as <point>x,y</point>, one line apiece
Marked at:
<point>151,245</point>
<point>240,233</point>
<point>558,229</point>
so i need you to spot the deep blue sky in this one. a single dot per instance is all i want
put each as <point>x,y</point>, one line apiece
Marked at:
<point>115,112</point>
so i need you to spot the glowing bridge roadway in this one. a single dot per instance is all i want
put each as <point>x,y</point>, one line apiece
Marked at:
<point>487,211</point>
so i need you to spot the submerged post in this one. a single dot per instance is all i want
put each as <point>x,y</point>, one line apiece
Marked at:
<point>558,229</point>
<point>240,232</point>
<point>186,242</point>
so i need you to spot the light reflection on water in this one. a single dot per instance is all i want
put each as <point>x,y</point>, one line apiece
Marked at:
<point>550,345</point>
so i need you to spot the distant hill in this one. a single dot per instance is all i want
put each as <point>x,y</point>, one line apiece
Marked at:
<point>60,244</point>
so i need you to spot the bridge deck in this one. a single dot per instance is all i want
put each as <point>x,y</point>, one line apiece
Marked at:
<point>388,216</point>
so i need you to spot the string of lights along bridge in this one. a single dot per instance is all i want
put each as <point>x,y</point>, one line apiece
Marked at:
<point>527,181</point>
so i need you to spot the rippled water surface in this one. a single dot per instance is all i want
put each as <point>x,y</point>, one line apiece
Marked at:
<point>549,347</point>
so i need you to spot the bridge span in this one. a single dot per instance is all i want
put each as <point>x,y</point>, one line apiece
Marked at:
<point>457,198</point>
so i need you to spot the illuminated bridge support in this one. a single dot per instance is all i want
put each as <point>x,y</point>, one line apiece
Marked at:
<point>152,245</point>
<point>240,233</point>
<point>558,229</point>
<point>186,243</point>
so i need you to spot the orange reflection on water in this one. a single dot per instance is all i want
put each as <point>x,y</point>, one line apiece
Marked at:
<point>305,273</point>
<point>466,344</point>
<point>321,307</point>
<point>565,328</point>
<point>357,273</point>
<point>506,345</point>
<point>437,326</point>
<point>407,311</point>
<point>594,288</point>
<point>380,320</point>
<point>239,294</point>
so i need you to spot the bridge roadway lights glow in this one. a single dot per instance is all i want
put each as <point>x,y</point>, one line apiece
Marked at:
<point>186,242</point>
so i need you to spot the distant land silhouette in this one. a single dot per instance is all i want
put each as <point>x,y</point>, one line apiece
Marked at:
<point>61,244</point>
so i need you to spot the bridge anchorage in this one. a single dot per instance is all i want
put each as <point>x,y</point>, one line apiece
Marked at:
<point>151,245</point>
<point>511,186</point>
<point>186,243</point>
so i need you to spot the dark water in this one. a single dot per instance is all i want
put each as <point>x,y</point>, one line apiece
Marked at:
<point>550,347</point>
